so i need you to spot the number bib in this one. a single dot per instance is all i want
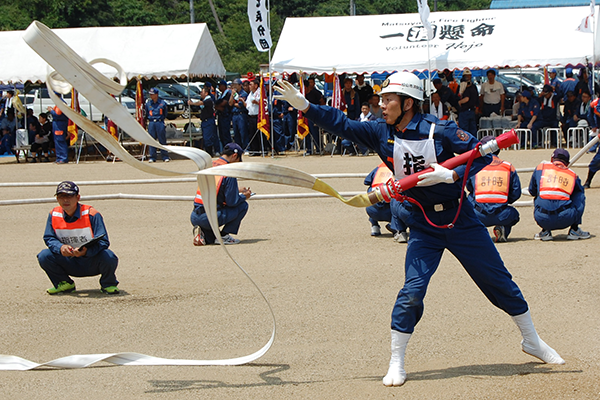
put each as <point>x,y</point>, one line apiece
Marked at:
<point>556,184</point>
<point>411,156</point>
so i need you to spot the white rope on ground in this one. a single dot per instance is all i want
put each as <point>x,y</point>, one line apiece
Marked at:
<point>183,180</point>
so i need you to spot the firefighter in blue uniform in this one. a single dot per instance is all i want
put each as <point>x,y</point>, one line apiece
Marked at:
<point>559,198</point>
<point>156,112</point>
<point>408,141</point>
<point>231,204</point>
<point>492,191</point>
<point>60,124</point>
<point>529,111</point>
<point>594,121</point>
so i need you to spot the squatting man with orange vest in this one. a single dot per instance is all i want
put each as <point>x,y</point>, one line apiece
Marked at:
<point>492,191</point>
<point>231,204</point>
<point>559,199</point>
<point>383,211</point>
<point>409,141</point>
<point>70,226</point>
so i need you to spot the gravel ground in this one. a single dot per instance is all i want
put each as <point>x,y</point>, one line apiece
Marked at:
<point>331,285</point>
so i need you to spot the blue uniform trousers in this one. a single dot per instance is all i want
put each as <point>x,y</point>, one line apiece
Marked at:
<point>279,141</point>
<point>595,163</point>
<point>562,219</point>
<point>157,130</point>
<point>506,216</point>
<point>229,217</point>
<point>59,268</point>
<point>468,122</point>
<point>470,243</point>
<point>379,212</point>
<point>209,133</point>
<point>61,147</point>
<point>240,129</point>
<point>225,129</point>
<point>289,129</point>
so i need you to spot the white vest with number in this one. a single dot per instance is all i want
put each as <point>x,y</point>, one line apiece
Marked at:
<point>412,156</point>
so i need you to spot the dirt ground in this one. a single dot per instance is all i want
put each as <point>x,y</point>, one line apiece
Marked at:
<point>331,285</point>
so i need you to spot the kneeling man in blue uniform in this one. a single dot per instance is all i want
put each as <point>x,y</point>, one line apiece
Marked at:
<point>408,142</point>
<point>559,198</point>
<point>231,204</point>
<point>69,227</point>
<point>492,191</point>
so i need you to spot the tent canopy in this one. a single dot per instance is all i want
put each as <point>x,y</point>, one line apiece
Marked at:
<point>158,52</point>
<point>474,39</point>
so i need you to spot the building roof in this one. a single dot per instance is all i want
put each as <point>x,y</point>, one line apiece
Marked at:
<point>498,4</point>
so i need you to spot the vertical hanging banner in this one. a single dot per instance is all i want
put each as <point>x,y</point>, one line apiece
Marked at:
<point>303,129</point>
<point>258,16</point>
<point>139,104</point>
<point>424,14</point>
<point>263,111</point>
<point>336,100</point>
<point>72,127</point>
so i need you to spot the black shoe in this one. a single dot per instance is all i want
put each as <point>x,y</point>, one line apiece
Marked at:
<point>586,185</point>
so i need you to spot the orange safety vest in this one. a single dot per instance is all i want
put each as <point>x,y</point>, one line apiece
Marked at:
<point>556,183</point>
<point>492,183</point>
<point>593,105</point>
<point>218,180</point>
<point>382,175</point>
<point>73,233</point>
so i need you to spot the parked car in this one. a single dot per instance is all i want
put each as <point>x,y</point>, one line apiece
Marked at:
<point>510,90</point>
<point>182,92</point>
<point>531,76</point>
<point>521,82</point>
<point>39,100</point>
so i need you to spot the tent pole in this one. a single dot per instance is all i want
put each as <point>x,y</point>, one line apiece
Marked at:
<point>594,52</point>
<point>271,81</point>
<point>189,106</point>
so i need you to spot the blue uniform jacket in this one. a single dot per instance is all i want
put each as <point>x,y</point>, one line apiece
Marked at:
<point>226,110</point>
<point>153,110</point>
<point>229,194</point>
<point>514,192</point>
<point>577,197</point>
<point>98,228</point>
<point>568,85</point>
<point>60,121</point>
<point>449,140</point>
<point>529,110</point>
<point>239,107</point>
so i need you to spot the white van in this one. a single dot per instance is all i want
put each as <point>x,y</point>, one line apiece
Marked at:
<point>38,99</point>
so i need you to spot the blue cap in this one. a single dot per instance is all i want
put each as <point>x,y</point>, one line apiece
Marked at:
<point>234,148</point>
<point>553,71</point>
<point>67,187</point>
<point>569,70</point>
<point>562,155</point>
<point>527,94</point>
<point>238,81</point>
<point>223,82</point>
<point>153,91</point>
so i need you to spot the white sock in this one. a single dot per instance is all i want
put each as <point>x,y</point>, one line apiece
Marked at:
<point>396,374</point>
<point>532,344</point>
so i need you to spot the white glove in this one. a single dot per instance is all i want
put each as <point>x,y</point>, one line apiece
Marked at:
<point>439,175</point>
<point>290,94</point>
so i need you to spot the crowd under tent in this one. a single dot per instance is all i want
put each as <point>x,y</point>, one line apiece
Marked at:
<point>149,52</point>
<point>474,39</point>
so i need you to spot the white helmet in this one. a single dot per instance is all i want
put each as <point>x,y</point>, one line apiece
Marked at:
<point>403,83</point>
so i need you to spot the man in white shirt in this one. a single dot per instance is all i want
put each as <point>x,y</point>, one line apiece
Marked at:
<point>252,105</point>
<point>491,99</point>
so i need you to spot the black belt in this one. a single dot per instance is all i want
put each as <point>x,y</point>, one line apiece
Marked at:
<point>157,120</point>
<point>448,205</point>
<point>553,212</point>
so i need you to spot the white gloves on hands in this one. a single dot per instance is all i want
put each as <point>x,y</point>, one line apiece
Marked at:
<point>439,175</point>
<point>290,94</point>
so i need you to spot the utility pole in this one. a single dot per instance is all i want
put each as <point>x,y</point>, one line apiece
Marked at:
<point>434,5</point>
<point>214,11</point>
<point>192,12</point>
<point>352,8</point>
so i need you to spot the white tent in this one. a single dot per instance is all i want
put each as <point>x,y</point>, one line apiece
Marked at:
<point>148,51</point>
<point>474,39</point>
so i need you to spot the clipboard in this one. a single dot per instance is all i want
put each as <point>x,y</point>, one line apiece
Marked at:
<point>91,242</point>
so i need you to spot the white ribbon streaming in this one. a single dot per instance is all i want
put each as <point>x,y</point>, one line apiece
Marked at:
<point>71,69</point>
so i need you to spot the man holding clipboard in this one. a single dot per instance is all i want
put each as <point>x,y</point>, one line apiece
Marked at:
<point>77,244</point>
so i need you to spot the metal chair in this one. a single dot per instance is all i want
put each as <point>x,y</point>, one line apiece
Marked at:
<point>547,136</point>
<point>527,134</point>
<point>577,136</point>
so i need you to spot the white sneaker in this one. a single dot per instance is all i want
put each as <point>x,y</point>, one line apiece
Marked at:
<point>246,153</point>
<point>401,237</point>
<point>578,234</point>
<point>228,239</point>
<point>375,230</point>
<point>532,344</point>
<point>199,239</point>
<point>168,160</point>
<point>151,160</point>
